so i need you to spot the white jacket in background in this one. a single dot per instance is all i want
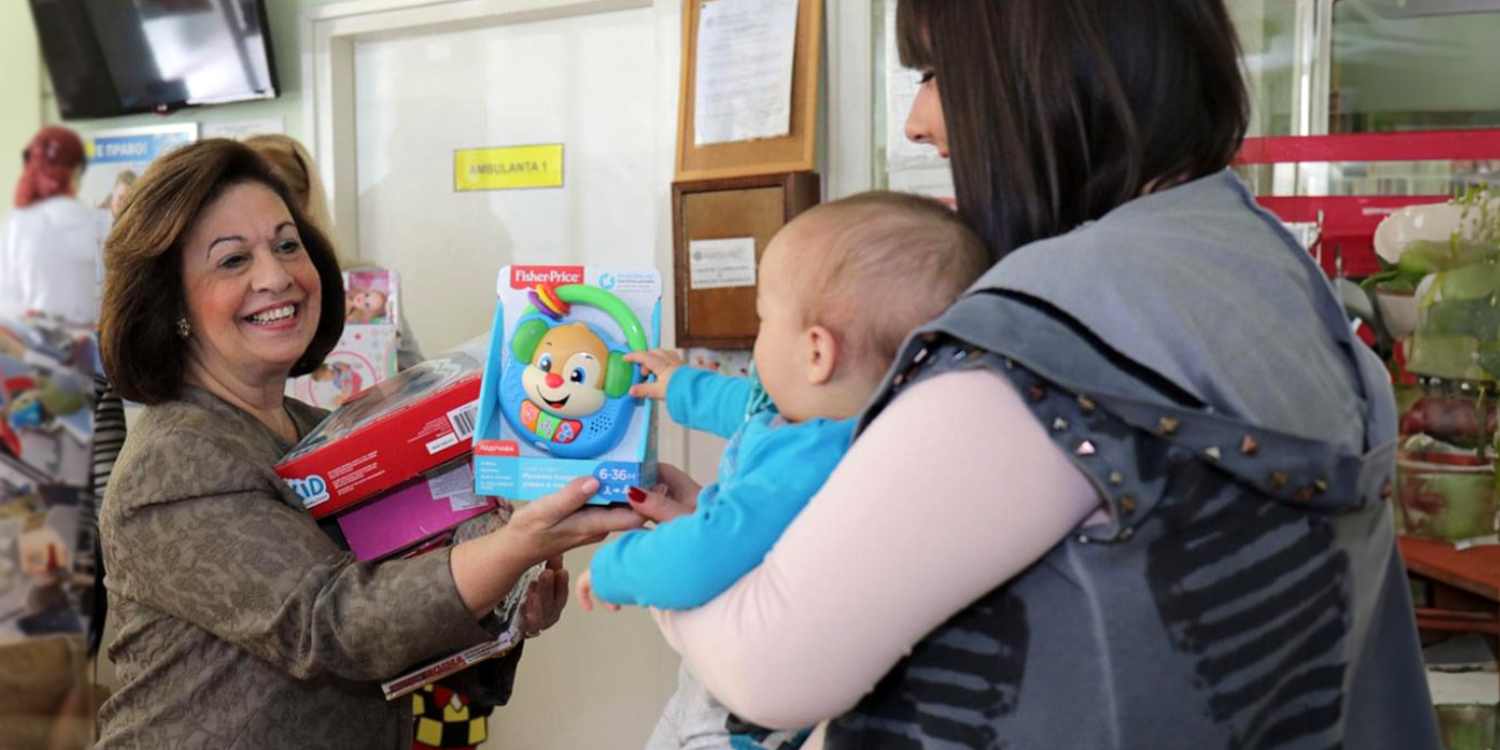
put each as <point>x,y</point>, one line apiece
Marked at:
<point>51,259</point>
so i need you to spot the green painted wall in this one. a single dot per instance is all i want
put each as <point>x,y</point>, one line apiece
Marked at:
<point>20,84</point>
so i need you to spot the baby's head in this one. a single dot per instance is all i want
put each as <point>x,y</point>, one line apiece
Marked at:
<point>843,284</point>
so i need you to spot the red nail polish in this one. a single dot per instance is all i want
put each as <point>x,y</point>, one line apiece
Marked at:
<point>637,495</point>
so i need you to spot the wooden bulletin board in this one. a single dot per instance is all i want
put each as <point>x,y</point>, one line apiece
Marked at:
<point>756,207</point>
<point>792,153</point>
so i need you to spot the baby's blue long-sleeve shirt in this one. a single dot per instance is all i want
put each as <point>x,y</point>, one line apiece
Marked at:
<point>770,470</point>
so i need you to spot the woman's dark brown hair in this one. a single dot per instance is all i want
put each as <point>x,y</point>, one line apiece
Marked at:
<point>143,288</point>
<point>1058,111</point>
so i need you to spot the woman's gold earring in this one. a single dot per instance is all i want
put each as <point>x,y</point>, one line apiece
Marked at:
<point>184,328</point>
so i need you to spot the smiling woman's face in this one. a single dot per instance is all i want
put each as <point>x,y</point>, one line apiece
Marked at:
<point>253,295</point>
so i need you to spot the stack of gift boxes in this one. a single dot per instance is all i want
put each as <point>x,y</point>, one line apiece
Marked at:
<point>392,468</point>
<point>392,465</point>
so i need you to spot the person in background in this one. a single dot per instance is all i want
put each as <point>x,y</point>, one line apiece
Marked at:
<point>117,192</point>
<point>295,166</point>
<point>1132,489</point>
<point>50,244</point>
<point>241,623</point>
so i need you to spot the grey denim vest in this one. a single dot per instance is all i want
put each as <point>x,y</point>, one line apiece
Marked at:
<point>1246,591</point>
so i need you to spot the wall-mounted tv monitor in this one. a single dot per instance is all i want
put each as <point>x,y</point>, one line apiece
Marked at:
<point>117,57</point>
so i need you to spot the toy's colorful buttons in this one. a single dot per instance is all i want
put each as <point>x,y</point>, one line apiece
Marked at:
<point>568,432</point>
<point>529,413</point>
<point>546,424</point>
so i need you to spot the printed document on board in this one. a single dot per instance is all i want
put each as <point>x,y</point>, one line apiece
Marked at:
<point>744,73</point>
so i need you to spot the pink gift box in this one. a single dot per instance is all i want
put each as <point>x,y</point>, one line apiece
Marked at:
<point>417,510</point>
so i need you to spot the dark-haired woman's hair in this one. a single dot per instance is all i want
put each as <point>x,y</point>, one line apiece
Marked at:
<point>1058,111</point>
<point>143,354</point>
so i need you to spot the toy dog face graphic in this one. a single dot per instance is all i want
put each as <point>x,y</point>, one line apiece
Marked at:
<point>565,388</point>
<point>568,371</point>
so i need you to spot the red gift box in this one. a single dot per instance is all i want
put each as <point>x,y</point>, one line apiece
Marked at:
<point>399,429</point>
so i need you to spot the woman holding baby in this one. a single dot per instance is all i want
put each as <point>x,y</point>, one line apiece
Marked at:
<point>1130,490</point>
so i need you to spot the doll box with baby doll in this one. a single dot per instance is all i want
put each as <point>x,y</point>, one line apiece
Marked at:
<point>420,509</point>
<point>399,429</point>
<point>556,401</point>
<point>366,352</point>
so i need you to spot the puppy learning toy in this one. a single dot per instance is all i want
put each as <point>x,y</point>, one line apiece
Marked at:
<point>566,388</point>
<point>556,403</point>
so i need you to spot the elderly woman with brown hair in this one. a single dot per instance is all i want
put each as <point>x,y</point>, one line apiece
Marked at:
<point>241,624</point>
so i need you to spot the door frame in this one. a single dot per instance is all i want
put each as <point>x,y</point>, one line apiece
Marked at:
<point>850,57</point>
<point>329,34</point>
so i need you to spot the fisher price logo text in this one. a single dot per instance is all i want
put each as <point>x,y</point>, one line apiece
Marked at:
<point>525,277</point>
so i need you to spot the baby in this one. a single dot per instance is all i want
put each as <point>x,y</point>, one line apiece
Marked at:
<point>840,288</point>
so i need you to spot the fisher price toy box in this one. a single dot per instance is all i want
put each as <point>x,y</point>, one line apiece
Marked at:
<point>555,404</point>
<point>420,419</point>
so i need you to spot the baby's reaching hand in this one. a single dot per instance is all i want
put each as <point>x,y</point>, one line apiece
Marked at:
<point>586,593</point>
<point>659,362</point>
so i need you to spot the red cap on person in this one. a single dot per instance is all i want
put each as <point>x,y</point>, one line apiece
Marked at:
<point>51,158</point>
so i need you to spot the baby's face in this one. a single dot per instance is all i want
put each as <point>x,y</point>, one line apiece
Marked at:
<point>781,348</point>
<point>366,301</point>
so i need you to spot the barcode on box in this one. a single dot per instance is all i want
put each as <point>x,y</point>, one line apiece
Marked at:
<point>463,420</point>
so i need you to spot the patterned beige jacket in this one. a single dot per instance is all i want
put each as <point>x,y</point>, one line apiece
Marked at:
<point>241,624</point>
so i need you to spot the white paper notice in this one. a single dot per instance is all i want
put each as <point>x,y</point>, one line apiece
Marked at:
<point>744,75</point>
<point>717,264</point>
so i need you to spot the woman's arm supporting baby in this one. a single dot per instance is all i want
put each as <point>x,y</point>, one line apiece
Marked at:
<point>877,535</point>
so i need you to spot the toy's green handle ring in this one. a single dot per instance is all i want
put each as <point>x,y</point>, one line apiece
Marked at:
<point>635,333</point>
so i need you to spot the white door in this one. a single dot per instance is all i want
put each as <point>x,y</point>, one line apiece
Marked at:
<point>587,82</point>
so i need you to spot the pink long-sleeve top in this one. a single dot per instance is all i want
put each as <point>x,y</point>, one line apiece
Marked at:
<point>953,490</point>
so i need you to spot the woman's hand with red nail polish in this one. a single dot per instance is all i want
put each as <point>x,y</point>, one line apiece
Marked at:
<point>657,505</point>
